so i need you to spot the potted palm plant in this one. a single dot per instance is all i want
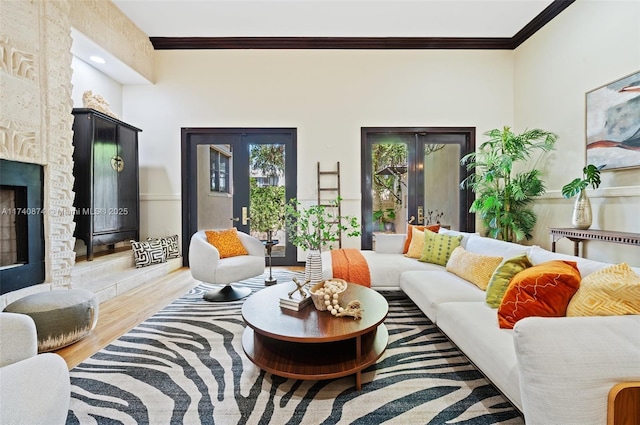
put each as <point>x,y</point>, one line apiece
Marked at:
<point>582,217</point>
<point>504,196</point>
<point>315,228</point>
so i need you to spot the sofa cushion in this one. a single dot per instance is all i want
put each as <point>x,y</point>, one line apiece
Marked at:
<point>227,242</point>
<point>407,242</point>
<point>475,268</point>
<point>384,269</point>
<point>428,289</point>
<point>473,327</point>
<point>465,235</point>
<point>495,247</point>
<point>540,255</point>
<point>390,243</point>
<point>438,248</point>
<point>611,291</point>
<point>542,290</point>
<point>499,281</point>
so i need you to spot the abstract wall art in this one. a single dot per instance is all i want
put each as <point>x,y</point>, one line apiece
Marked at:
<point>613,124</point>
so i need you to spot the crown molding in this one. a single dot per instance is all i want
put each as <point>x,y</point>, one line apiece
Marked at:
<point>365,43</point>
<point>540,21</point>
<point>336,43</point>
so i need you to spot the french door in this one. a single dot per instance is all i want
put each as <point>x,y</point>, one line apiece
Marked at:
<point>223,172</point>
<point>413,175</point>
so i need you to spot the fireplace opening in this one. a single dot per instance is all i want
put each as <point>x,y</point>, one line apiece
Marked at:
<point>21,225</point>
<point>13,226</point>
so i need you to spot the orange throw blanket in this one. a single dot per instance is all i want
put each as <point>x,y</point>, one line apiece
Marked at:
<point>349,264</point>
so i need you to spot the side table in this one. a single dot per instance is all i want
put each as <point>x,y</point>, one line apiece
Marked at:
<point>269,244</point>
<point>576,236</point>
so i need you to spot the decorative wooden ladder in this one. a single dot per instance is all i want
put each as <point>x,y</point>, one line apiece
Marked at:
<point>328,191</point>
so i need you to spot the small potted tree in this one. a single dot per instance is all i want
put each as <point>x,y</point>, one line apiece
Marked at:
<point>314,228</point>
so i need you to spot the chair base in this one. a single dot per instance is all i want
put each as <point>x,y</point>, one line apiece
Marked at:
<point>227,293</point>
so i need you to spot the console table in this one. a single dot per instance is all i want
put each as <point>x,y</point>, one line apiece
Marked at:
<point>577,236</point>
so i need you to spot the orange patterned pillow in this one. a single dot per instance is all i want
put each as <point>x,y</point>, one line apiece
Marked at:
<point>543,290</point>
<point>227,242</point>
<point>433,227</point>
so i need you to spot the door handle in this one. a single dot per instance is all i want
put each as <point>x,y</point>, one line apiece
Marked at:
<point>245,216</point>
<point>420,214</point>
<point>235,219</point>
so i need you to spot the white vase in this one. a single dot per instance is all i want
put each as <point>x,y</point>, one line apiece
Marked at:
<point>581,218</point>
<point>313,266</point>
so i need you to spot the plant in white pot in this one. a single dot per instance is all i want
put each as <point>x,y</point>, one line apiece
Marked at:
<point>314,228</point>
<point>582,217</point>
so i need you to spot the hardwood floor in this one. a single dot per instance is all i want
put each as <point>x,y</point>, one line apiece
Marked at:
<point>119,315</point>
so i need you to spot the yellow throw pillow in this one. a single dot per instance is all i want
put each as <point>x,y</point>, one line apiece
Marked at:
<point>611,291</point>
<point>501,277</point>
<point>416,244</point>
<point>227,242</point>
<point>407,242</point>
<point>438,247</point>
<point>472,267</point>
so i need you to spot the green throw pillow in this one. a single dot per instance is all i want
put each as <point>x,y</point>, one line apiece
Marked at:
<point>438,247</point>
<point>501,277</point>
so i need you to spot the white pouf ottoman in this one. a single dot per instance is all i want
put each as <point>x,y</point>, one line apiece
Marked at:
<point>62,317</point>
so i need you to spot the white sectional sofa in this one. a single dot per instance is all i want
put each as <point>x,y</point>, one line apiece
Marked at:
<point>556,371</point>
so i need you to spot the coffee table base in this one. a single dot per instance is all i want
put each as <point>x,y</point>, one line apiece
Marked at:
<point>316,361</point>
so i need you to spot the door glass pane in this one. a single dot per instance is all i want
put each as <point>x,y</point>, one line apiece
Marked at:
<point>267,194</point>
<point>389,185</point>
<point>441,184</point>
<point>215,202</point>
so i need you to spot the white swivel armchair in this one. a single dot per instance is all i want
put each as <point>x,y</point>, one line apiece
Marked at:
<point>207,266</point>
<point>34,388</point>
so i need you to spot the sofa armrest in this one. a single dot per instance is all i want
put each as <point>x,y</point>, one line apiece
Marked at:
<point>35,391</point>
<point>18,338</point>
<point>568,365</point>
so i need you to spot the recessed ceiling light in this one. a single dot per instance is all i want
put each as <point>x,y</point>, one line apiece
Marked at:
<point>97,59</point>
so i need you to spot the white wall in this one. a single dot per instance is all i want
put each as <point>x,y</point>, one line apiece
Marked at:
<point>85,77</point>
<point>327,95</point>
<point>590,44</point>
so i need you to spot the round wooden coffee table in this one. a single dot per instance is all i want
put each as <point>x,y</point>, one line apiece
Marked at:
<point>311,344</point>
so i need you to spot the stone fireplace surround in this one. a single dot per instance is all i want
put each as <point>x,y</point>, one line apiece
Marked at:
<point>36,104</point>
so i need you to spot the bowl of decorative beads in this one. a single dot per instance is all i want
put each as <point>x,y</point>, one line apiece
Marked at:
<point>326,294</point>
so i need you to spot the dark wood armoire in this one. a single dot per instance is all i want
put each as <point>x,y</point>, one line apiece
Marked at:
<point>105,169</point>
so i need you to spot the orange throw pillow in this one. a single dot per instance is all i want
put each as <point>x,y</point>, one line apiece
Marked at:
<point>227,242</point>
<point>433,227</point>
<point>543,290</point>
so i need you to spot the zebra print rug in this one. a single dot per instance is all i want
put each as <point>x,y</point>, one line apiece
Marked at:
<point>185,365</point>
